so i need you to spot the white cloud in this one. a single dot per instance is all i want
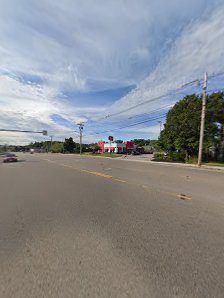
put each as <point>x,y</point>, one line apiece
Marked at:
<point>198,49</point>
<point>31,106</point>
<point>155,129</point>
<point>70,43</point>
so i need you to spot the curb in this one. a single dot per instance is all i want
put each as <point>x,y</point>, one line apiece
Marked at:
<point>179,165</point>
<point>192,166</point>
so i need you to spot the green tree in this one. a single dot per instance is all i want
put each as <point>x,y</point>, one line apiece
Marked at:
<point>215,114</point>
<point>57,148</point>
<point>155,144</point>
<point>69,145</point>
<point>141,142</point>
<point>96,148</point>
<point>215,107</point>
<point>182,128</point>
<point>77,148</point>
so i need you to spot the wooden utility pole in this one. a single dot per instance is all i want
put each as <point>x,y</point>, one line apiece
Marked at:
<point>202,119</point>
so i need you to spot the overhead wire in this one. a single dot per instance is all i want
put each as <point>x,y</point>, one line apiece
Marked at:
<point>172,92</point>
<point>143,103</point>
<point>153,111</point>
<point>159,97</point>
<point>130,125</point>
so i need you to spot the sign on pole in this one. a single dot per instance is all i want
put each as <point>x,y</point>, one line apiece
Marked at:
<point>110,138</point>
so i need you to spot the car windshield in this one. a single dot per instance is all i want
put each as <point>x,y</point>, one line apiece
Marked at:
<point>10,155</point>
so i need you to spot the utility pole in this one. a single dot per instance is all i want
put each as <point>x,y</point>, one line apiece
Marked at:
<point>202,119</point>
<point>51,143</point>
<point>81,125</point>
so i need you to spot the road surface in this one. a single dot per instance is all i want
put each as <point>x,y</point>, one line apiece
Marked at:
<point>74,226</point>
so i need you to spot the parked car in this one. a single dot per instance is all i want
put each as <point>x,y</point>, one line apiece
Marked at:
<point>10,157</point>
<point>135,153</point>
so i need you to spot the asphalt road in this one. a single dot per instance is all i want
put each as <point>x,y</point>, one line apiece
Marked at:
<point>75,226</point>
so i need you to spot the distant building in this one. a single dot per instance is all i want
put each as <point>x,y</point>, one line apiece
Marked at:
<point>125,147</point>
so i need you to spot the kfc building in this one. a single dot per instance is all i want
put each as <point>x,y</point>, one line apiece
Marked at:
<point>125,147</point>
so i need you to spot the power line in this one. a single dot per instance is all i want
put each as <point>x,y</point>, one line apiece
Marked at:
<point>145,114</point>
<point>215,75</point>
<point>159,97</point>
<point>130,125</point>
<point>151,112</point>
<point>145,102</point>
<point>170,105</point>
<point>215,90</point>
<point>138,105</point>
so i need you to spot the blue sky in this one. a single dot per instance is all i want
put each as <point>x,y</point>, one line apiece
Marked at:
<point>93,60</point>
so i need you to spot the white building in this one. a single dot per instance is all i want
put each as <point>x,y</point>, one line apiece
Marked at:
<point>125,147</point>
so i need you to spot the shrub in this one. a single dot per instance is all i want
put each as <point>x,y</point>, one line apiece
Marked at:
<point>170,157</point>
<point>159,157</point>
<point>193,159</point>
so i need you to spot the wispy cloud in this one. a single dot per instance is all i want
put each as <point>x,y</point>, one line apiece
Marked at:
<point>198,49</point>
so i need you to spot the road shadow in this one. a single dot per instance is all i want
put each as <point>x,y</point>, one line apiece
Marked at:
<point>21,160</point>
<point>29,161</point>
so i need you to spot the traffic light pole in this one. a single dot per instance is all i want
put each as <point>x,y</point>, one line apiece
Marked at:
<point>44,132</point>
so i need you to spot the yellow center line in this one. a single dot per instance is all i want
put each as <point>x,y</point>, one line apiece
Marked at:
<point>64,165</point>
<point>179,196</point>
<point>119,180</point>
<point>183,197</point>
<point>97,174</point>
<point>172,194</point>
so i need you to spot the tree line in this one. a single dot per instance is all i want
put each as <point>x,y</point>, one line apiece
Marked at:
<point>68,146</point>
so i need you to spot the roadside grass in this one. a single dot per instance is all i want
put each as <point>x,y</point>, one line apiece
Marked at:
<point>191,161</point>
<point>213,164</point>
<point>112,155</point>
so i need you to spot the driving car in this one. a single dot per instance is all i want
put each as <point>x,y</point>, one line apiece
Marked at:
<point>10,157</point>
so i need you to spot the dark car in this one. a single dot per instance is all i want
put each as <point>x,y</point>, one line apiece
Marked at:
<point>135,153</point>
<point>10,157</point>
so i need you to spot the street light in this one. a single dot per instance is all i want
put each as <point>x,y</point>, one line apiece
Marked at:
<point>160,129</point>
<point>51,143</point>
<point>81,125</point>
